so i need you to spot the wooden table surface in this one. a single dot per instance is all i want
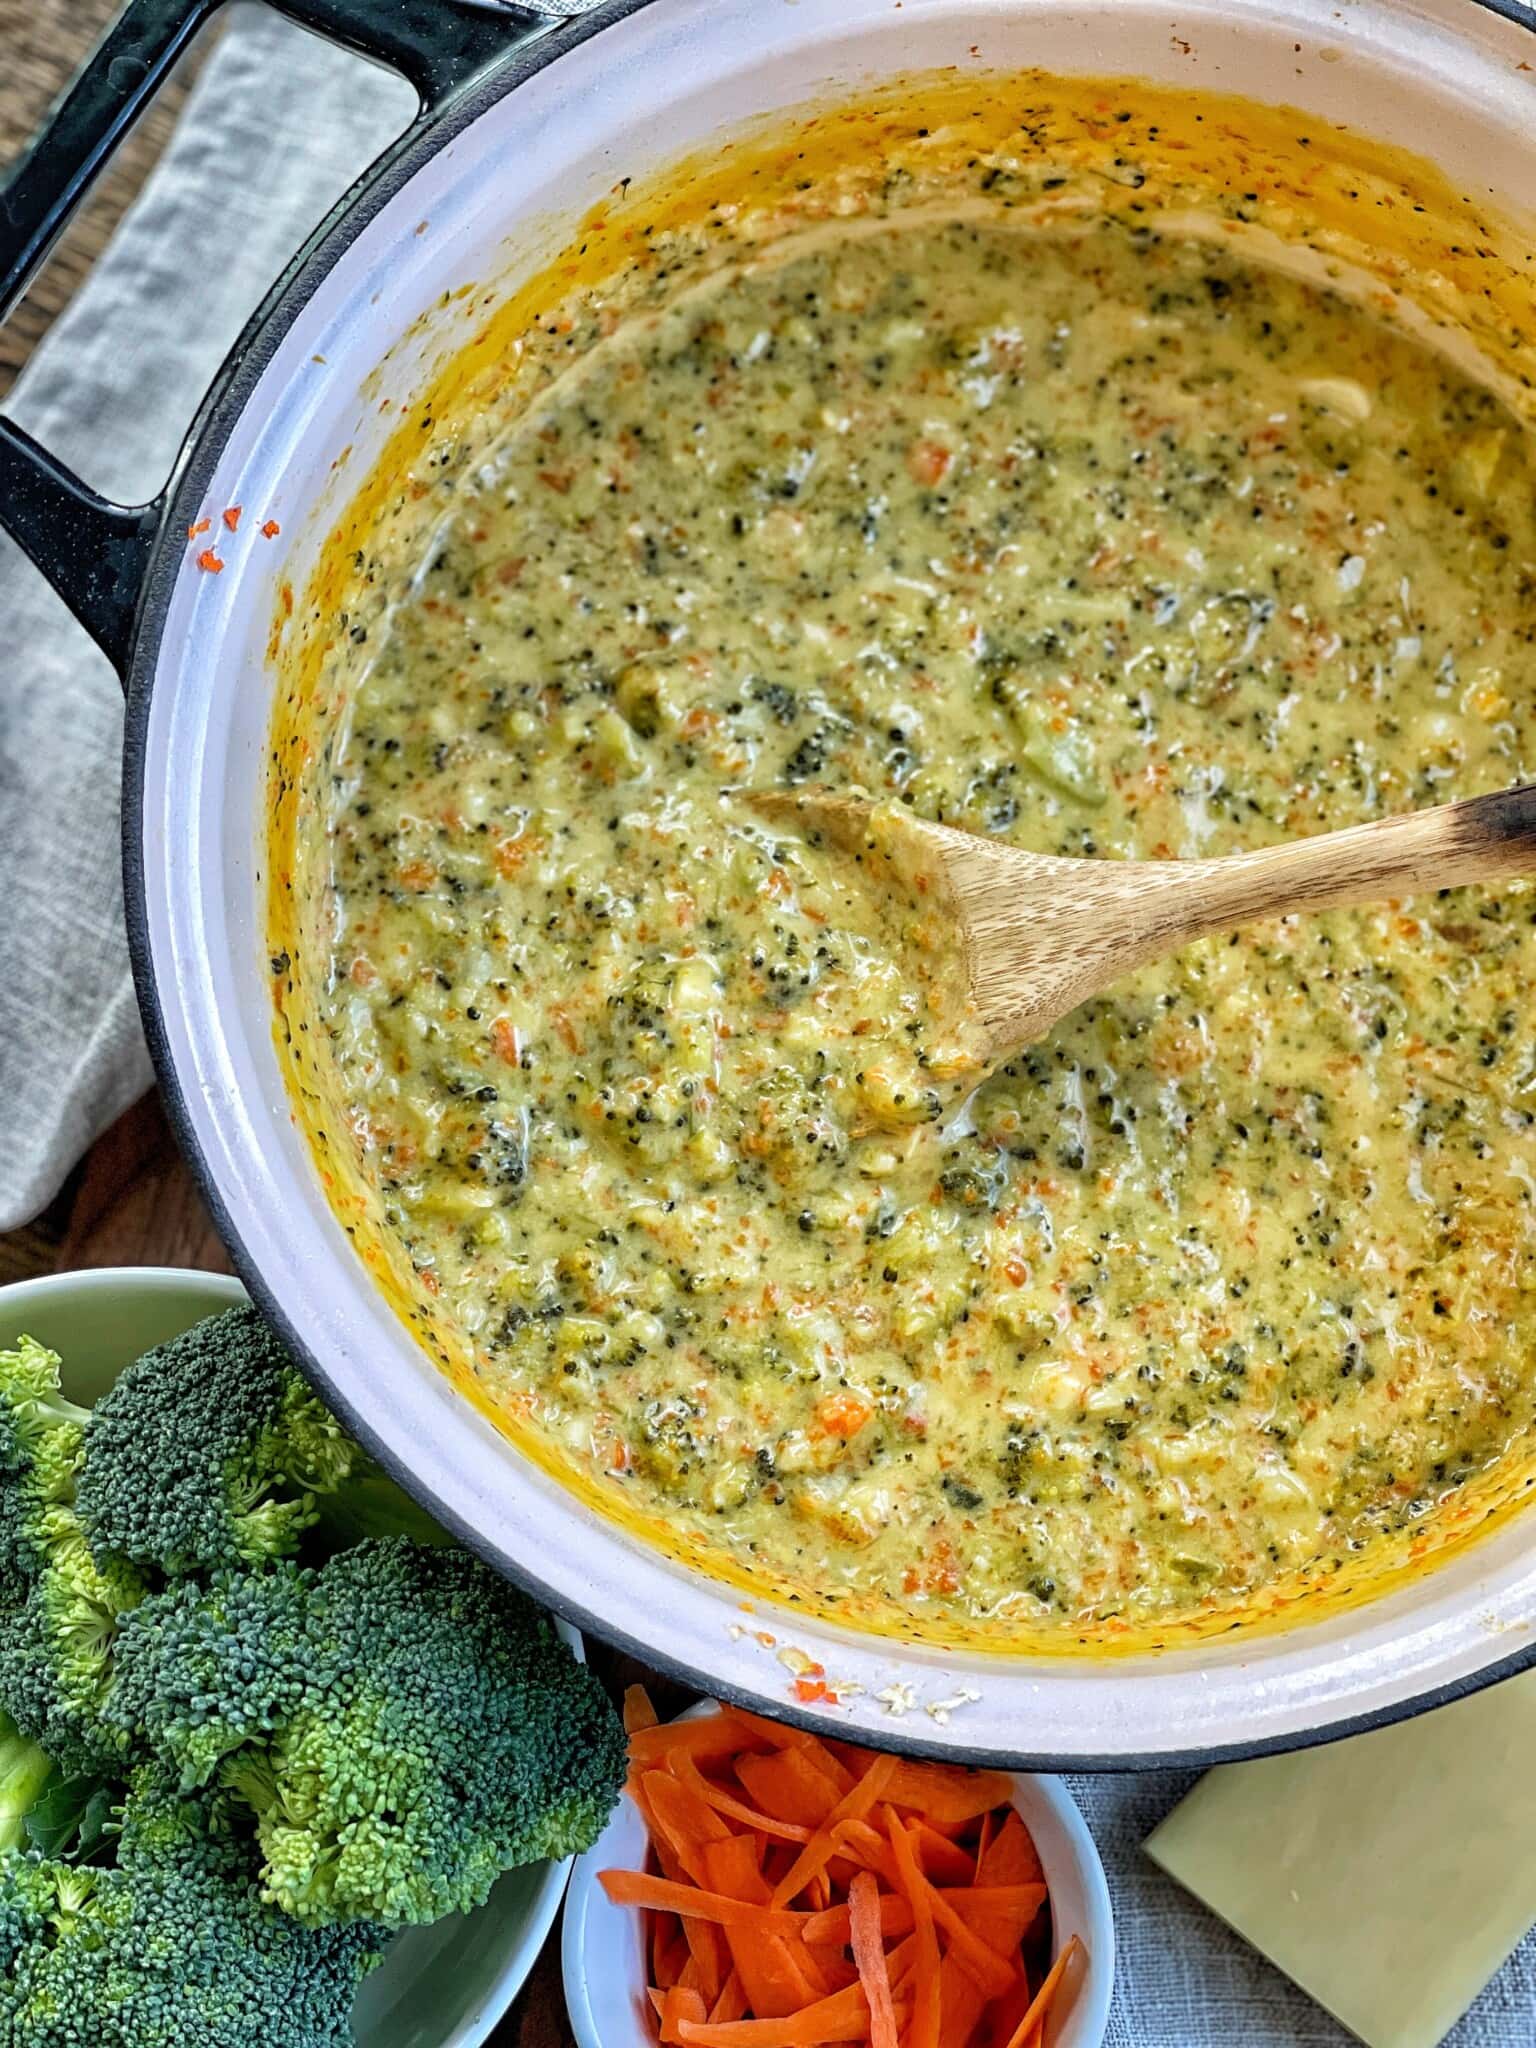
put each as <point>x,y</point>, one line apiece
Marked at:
<point>132,1200</point>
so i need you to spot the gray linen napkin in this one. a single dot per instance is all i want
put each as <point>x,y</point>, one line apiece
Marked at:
<point>111,390</point>
<point>277,126</point>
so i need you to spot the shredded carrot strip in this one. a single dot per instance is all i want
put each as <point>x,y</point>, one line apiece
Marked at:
<point>900,1962</point>
<point>977,1904</point>
<point>639,1888</point>
<point>771,1969</point>
<point>789,1786</point>
<point>833,1927</point>
<point>668,1959</point>
<point>779,1736</point>
<point>822,1846</point>
<point>686,1825</point>
<point>869,1956</point>
<point>693,1780</point>
<point>961,2003</point>
<point>1040,2004</point>
<point>733,1867</point>
<point>941,1793</point>
<point>924,2031</point>
<point>940,1859</point>
<point>714,1736</point>
<point>732,2002</point>
<point>1000,1914</point>
<point>868,1848</point>
<point>982,1965</point>
<point>638,1711</point>
<point>679,2006</point>
<point>843,2016</point>
<point>1010,1855</point>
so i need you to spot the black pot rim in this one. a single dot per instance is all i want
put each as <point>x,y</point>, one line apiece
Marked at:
<point>211,428</point>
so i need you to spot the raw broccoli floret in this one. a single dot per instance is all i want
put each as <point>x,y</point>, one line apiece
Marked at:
<point>41,1439</point>
<point>202,1670</point>
<point>28,1900</point>
<point>439,1733</point>
<point>56,1649</point>
<point>210,1452</point>
<point>58,1606</point>
<point>453,1738</point>
<point>171,1947</point>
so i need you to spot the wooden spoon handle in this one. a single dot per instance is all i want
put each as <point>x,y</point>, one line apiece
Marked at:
<point>1481,839</point>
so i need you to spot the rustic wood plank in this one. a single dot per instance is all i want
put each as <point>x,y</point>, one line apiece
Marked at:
<point>34,1248</point>
<point>137,1204</point>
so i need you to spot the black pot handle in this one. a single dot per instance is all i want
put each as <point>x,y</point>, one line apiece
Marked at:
<point>93,552</point>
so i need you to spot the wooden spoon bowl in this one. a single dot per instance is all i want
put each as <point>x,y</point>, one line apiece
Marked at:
<point>1028,936</point>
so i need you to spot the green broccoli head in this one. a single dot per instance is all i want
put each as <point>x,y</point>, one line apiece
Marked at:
<point>56,1648</point>
<point>28,1896</point>
<point>211,1452</point>
<point>41,1439</point>
<point>201,1671</point>
<point>61,1606</point>
<point>403,1724</point>
<point>451,1737</point>
<point>173,1947</point>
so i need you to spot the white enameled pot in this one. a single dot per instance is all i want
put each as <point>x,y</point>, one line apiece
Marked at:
<point>509,150</point>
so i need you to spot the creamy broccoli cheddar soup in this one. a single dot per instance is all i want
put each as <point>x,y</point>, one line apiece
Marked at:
<point>1104,541</point>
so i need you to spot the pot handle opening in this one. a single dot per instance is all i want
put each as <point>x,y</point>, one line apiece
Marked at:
<point>96,553</point>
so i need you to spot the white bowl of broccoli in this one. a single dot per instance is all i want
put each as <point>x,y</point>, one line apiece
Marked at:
<point>265,1600</point>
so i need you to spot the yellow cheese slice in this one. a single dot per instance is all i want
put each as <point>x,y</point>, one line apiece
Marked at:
<point>1389,1874</point>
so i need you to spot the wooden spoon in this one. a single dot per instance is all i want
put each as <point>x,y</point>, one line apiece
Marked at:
<point>1029,936</point>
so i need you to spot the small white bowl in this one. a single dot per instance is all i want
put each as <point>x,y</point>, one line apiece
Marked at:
<point>444,1986</point>
<point>604,1964</point>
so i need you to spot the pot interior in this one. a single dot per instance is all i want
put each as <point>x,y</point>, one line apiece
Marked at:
<point>304,421</point>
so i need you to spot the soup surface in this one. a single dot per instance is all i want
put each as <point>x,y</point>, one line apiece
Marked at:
<point>1103,542</point>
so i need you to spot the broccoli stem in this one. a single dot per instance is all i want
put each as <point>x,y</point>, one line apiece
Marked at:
<point>372,1505</point>
<point>56,1408</point>
<point>24,1771</point>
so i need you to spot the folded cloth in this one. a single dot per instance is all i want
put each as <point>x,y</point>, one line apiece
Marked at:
<point>249,171</point>
<point>278,125</point>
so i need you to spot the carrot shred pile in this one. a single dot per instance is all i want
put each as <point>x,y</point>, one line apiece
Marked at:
<point>805,1893</point>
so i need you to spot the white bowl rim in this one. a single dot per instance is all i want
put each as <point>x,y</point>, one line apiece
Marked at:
<point>105,1279</point>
